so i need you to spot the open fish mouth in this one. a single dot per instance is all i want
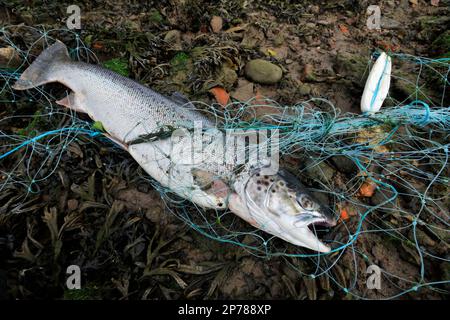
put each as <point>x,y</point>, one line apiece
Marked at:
<point>320,226</point>
<point>306,234</point>
<point>280,205</point>
<point>324,223</point>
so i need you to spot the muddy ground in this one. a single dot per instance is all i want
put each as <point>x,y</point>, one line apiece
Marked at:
<point>99,211</point>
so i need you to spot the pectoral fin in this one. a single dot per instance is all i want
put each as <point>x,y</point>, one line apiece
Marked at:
<point>71,102</point>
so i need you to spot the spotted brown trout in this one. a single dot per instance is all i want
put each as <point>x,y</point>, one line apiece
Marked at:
<point>275,202</point>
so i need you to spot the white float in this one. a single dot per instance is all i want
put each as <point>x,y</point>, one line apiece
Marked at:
<point>377,85</point>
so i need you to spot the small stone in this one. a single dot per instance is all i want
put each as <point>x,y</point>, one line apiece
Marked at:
<point>304,89</point>
<point>262,71</point>
<point>72,204</point>
<point>173,37</point>
<point>216,24</point>
<point>9,58</point>
<point>244,90</point>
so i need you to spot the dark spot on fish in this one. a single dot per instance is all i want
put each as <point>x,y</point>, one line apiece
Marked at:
<point>273,190</point>
<point>258,175</point>
<point>266,183</point>
<point>266,177</point>
<point>258,181</point>
<point>220,204</point>
<point>259,188</point>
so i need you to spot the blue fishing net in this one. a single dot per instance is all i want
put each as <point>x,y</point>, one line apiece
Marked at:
<point>401,153</point>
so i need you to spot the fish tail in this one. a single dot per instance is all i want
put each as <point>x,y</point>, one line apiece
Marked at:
<point>42,69</point>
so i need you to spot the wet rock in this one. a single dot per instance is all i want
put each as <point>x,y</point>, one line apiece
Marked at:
<point>304,89</point>
<point>216,24</point>
<point>262,71</point>
<point>173,37</point>
<point>244,90</point>
<point>308,40</point>
<point>9,58</point>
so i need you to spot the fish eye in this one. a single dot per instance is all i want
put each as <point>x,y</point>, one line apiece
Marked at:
<point>306,202</point>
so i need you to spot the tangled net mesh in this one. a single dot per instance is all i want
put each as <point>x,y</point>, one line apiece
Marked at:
<point>403,151</point>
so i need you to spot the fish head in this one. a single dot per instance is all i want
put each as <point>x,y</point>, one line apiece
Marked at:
<point>280,205</point>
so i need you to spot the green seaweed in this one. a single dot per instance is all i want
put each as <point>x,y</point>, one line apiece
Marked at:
<point>97,125</point>
<point>179,61</point>
<point>118,65</point>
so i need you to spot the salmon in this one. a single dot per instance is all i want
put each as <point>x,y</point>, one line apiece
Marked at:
<point>138,118</point>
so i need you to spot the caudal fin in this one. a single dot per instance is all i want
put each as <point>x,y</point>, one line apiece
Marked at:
<point>40,71</point>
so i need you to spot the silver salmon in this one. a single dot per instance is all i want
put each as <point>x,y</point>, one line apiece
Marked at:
<point>128,111</point>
